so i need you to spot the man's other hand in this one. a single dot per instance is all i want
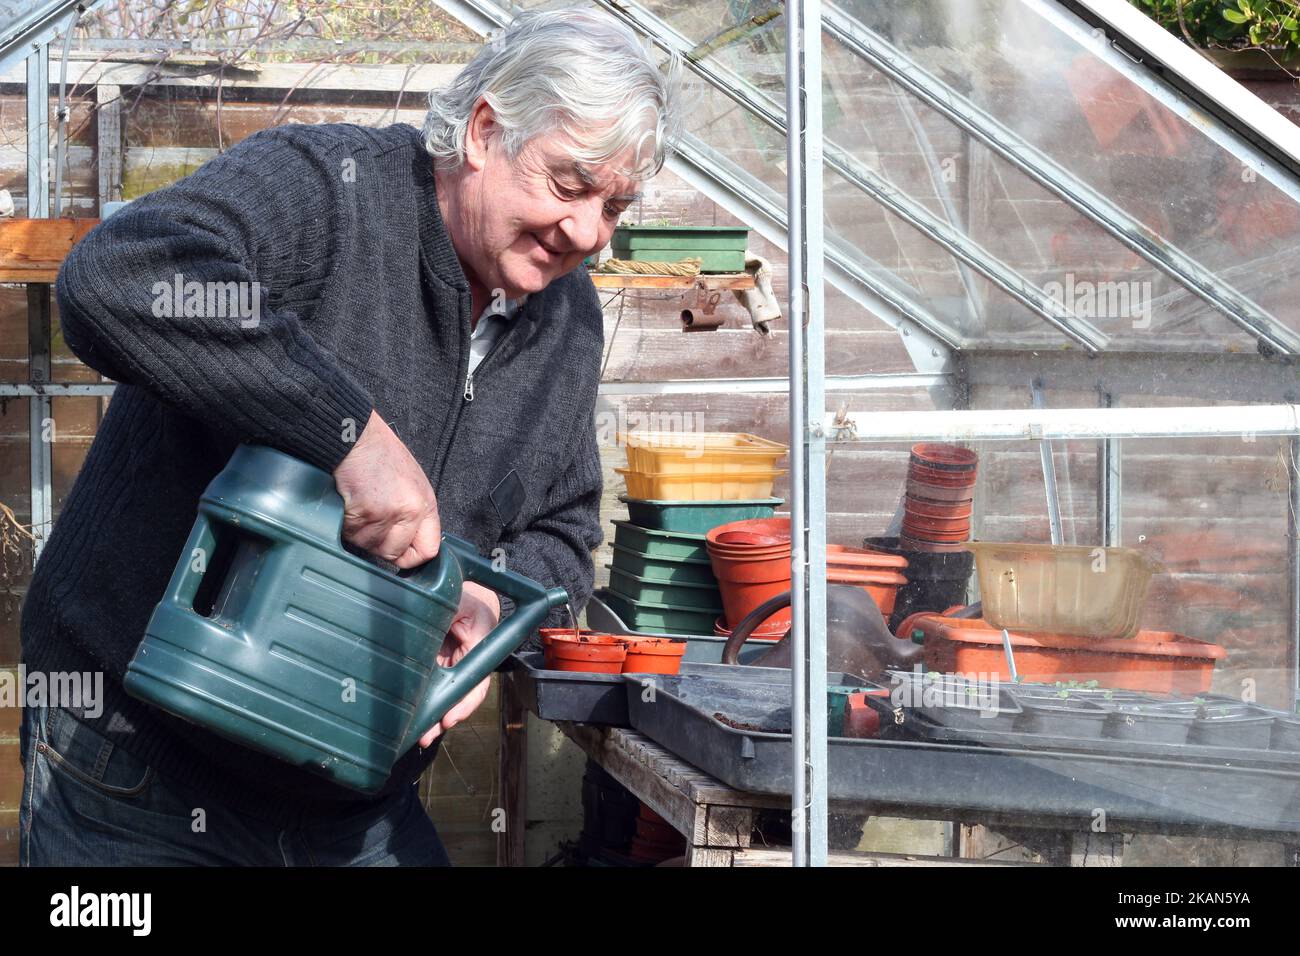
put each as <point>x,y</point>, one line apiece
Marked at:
<point>478,613</point>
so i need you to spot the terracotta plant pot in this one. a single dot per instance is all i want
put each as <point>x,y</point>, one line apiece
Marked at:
<point>943,479</point>
<point>653,655</point>
<point>952,457</point>
<point>881,585</point>
<point>747,539</point>
<point>745,584</point>
<point>920,526</point>
<point>936,509</point>
<point>777,530</point>
<point>548,632</point>
<point>842,556</point>
<point>768,631</point>
<point>743,553</point>
<point>917,490</point>
<point>593,653</point>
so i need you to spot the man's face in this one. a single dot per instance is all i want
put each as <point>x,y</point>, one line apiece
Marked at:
<point>527,222</point>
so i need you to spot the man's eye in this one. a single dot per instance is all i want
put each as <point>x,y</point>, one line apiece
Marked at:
<point>565,192</point>
<point>613,211</point>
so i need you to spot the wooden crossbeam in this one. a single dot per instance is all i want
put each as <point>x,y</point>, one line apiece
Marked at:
<point>31,250</point>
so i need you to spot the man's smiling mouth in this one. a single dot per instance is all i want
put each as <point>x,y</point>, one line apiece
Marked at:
<point>553,253</point>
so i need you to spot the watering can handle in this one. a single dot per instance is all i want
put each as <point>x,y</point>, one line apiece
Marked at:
<point>532,603</point>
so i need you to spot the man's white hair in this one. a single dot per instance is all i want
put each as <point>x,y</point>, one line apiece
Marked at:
<point>572,70</point>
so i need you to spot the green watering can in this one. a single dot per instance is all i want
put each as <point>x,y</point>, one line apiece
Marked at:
<point>273,635</point>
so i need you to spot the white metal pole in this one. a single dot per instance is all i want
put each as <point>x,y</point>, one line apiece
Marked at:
<point>815,440</point>
<point>1061,424</point>
<point>798,477</point>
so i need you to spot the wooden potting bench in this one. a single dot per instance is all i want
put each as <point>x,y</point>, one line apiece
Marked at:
<point>717,820</point>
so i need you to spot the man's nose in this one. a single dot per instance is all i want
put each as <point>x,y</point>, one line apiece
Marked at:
<point>582,226</point>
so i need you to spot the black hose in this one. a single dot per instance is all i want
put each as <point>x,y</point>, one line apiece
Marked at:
<point>750,623</point>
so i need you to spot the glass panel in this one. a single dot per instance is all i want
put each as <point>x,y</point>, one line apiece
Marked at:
<point>64,366</point>
<point>1029,65</point>
<point>13,333</point>
<point>1212,514</point>
<point>1141,156</point>
<point>872,239</point>
<point>15,520</point>
<point>76,419</point>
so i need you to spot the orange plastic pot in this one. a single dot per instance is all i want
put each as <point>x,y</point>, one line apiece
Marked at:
<point>746,583</point>
<point>860,718</point>
<point>1157,661</point>
<point>592,653</point>
<point>919,490</point>
<point>653,655</point>
<point>764,632</point>
<point>750,539</point>
<point>746,553</point>
<point>776,530</point>
<point>937,509</point>
<point>937,455</point>
<point>921,526</point>
<point>841,556</point>
<point>549,632</point>
<point>881,585</point>
<point>943,479</point>
<point>925,534</point>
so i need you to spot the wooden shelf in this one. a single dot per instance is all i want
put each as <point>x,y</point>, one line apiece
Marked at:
<point>31,250</point>
<point>710,282</point>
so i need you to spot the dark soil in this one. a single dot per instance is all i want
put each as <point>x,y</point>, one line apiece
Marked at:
<point>741,725</point>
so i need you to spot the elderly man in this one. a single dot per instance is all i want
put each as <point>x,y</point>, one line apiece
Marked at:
<point>418,324</point>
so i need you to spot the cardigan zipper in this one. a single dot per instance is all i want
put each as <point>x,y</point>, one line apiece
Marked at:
<point>467,393</point>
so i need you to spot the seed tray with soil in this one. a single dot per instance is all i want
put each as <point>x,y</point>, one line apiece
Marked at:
<point>1152,722</point>
<point>1232,725</point>
<point>1056,717</point>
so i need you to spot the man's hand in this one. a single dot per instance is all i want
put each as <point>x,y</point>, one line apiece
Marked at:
<point>389,508</point>
<point>478,613</point>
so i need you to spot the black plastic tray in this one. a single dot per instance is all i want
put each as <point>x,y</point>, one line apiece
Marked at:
<point>948,724</point>
<point>601,698</point>
<point>964,780</point>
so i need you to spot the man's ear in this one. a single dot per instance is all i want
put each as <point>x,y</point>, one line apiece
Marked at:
<point>480,130</point>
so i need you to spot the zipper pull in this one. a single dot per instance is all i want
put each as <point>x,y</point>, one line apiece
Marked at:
<point>469,387</point>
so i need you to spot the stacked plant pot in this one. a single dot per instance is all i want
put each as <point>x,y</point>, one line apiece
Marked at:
<point>679,486</point>
<point>940,498</point>
<point>655,840</point>
<point>751,560</point>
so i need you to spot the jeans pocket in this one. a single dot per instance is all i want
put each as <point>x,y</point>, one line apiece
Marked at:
<point>83,754</point>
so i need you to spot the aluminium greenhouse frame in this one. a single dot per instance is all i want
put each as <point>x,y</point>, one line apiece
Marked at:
<point>1134,46</point>
<point>29,38</point>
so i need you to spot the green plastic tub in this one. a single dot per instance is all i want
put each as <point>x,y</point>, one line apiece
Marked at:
<point>660,618</point>
<point>720,249</point>
<point>686,571</point>
<point>696,597</point>
<point>665,545</point>
<point>696,517</point>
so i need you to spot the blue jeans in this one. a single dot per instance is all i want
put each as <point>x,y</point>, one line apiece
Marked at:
<point>87,802</point>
